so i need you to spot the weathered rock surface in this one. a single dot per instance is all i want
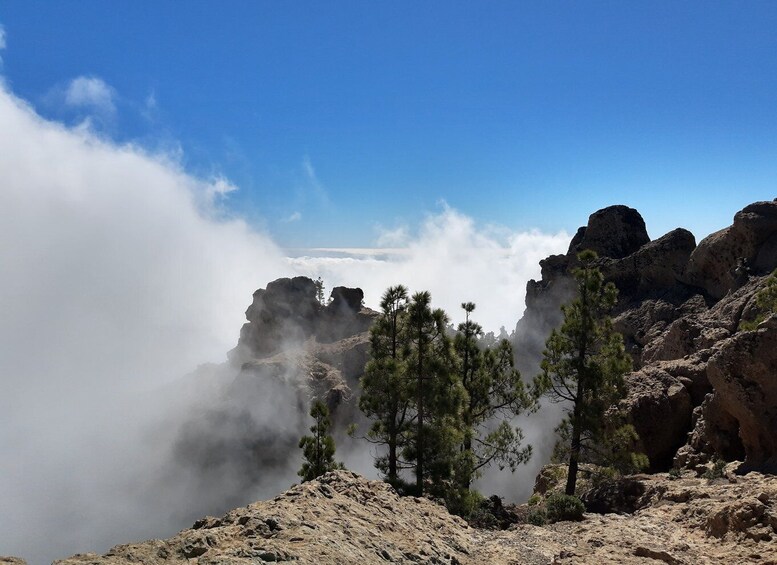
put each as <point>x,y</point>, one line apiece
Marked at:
<point>615,231</point>
<point>659,406</point>
<point>343,518</point>
<point>743,374</point>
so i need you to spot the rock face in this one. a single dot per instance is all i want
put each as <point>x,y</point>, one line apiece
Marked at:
<point>342,518</point>
<point>743,374</point>
<point>293,338</point>
<point>701,389</point>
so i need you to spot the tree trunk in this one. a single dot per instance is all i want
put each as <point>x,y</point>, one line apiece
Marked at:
<point>419,470</point>
<point>574,452</point>
<point>392,462</point>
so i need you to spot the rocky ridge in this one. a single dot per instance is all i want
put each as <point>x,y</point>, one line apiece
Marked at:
<point>345,519</point>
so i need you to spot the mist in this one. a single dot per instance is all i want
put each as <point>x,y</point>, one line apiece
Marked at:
<point>121,275</point>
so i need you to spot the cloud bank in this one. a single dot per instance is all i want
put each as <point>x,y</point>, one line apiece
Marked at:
<point>120,275</point>
<point>453,258</point>
<point>117,277</point>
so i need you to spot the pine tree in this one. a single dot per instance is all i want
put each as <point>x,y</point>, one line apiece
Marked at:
<point>436,392</point>
<point>386,395</point>
<point>584,363</point>
<point>495,394</point>
<point>319,284</point>
<point>318,449</point>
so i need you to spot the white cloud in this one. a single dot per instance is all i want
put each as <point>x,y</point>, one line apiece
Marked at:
<point>150,101</point>
<point>219,187</point>
<point>150,107</point>
<point>92,94</point>
<point>396,237</point>
<point>294,217</point>
<point>453,258</point>
<point>116,279</point>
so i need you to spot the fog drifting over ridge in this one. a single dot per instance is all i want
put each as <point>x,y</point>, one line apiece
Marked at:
<point>121,274</point>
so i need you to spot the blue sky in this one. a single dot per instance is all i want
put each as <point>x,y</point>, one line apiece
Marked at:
<point>337,120</point>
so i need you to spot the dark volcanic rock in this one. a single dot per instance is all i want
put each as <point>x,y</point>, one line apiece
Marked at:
<point>284,313</point>
<point>654,268</point>
<point>624,495</point>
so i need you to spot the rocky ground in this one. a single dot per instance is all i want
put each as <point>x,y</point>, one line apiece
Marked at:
<point>345,519</point>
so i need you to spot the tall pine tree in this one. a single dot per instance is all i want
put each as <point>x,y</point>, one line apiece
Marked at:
<point>495,394</point>
<point>436,392</point>
<point>386,390</point>
<point>584,363</point>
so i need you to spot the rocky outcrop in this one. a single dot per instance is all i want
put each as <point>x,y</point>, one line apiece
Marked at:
<point>345,519</point>
<point>292,348</point>
<point>748,246</point>
<point>701,389</point>
<point>616,232</point>
<point>340,518</point>
<point>287,313</point>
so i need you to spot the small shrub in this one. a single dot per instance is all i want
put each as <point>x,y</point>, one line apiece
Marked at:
<point>674,474</point>
<point>716,471</point>
<point>534,500</point>
<point>537,517</point>
<point>463,502</point>
<point>765,304</point>
<point>562,507</point>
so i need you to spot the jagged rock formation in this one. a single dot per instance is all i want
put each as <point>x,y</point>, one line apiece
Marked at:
<point>291,349</point>
<point>700,385</point>
<point>323,347</point>
<point>287,313</point>
<point>342,518</point>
